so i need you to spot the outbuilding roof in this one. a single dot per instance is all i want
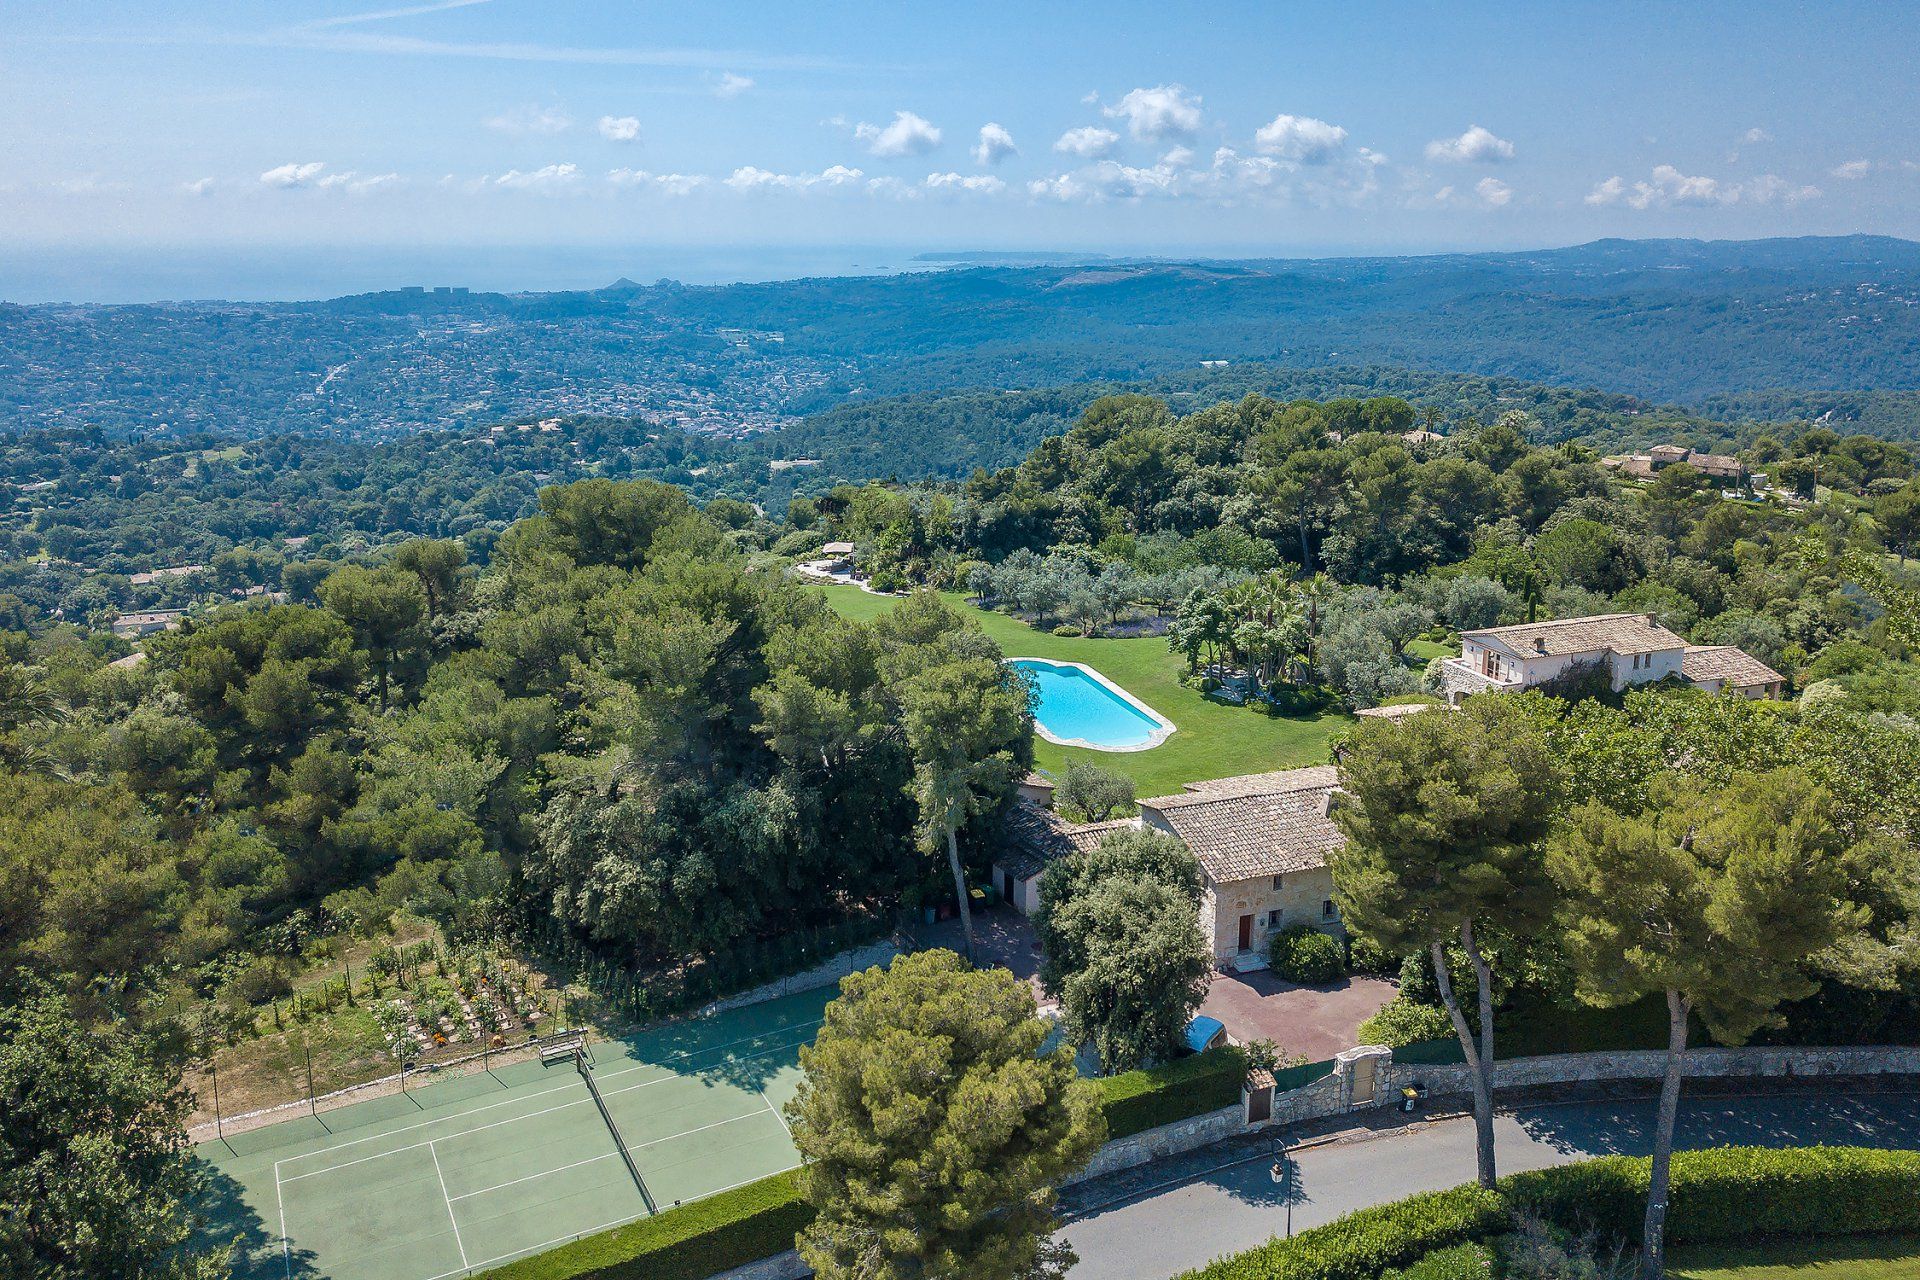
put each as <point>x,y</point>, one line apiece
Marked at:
<point>1727,664</point>
<point>1037,836</point>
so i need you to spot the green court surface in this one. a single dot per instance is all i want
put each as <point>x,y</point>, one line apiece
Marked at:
<point>476,1170</point>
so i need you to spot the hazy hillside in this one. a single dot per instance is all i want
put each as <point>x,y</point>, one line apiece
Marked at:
<point>1677,321</point>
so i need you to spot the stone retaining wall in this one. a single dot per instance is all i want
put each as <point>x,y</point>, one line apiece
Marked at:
<point>1752,1062</point>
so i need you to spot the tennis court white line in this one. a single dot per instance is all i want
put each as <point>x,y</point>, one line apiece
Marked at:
<point>501,1186</point>
<point>776,1113</point>
<point>492,1106</point>
<point>458,1242</point>
<point>286,1246</point>
<point>531,1115</point>
<point>605,1226</point>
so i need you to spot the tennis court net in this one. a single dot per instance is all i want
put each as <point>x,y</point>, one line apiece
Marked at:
<point>586,1073</point>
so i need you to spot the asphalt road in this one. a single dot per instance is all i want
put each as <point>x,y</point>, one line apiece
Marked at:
<point>1161,1233</point>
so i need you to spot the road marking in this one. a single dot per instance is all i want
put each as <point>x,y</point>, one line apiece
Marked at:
<point>462,1245</point>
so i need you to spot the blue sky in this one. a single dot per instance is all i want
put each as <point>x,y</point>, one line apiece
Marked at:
<point>1138,127</point>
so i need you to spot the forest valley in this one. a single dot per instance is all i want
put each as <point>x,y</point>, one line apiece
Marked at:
<point>619,745</point>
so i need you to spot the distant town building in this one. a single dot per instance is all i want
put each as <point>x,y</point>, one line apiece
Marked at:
<point>1723,468</point>
<point>177,571</point>
<point>129,625</point>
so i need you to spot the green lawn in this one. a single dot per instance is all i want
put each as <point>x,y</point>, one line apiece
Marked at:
<point>1846,1258</point>
<point>1211,740</point>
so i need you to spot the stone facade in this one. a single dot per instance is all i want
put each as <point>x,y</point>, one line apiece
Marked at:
<point>1273,903</point>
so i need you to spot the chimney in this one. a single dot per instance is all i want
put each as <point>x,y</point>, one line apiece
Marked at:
<point>1652,621</point>
<point>1539,644</point>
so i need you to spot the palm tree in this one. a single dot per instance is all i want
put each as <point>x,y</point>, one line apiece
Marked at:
<point>26,702</point>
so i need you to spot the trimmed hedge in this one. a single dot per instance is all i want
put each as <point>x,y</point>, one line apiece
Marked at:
<point>688,1243</point>
<point>1736,1193</point>
<point>1153,1096</point>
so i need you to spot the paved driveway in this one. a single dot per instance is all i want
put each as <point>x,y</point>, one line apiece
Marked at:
<point>1160,1233</point>
<point>1316,1022</point>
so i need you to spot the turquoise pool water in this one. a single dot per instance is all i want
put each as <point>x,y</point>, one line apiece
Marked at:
<point>1076,708</point>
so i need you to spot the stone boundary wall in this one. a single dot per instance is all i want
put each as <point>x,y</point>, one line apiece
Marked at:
<point>824,974</point>
<point>1751,1063</point>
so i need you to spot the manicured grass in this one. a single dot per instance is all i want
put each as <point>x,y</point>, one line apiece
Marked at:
<point>1211,740</point>
<point>1849,1257</point>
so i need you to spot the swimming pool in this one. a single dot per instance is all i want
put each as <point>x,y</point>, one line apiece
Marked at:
<point>1076,706</point>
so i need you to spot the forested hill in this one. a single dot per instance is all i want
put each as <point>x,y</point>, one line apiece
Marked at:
<point>1677,321</point>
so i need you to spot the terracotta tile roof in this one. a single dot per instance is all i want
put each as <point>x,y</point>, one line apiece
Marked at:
<point>1624,633</point>
<point>1727,664</point>
<point>1037,836</point>
<point>1313,777</point>
<point>1717,464</point>
<point>1668,452</point>
<point>1258,825</point>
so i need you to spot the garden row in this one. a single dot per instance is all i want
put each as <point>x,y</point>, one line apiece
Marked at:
<point>761,1218</point>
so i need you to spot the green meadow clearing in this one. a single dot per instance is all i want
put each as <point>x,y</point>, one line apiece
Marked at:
<point>1211,740</point>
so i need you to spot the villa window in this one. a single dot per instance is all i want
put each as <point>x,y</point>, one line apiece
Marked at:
<point>1327,911</point>
<point>1277,882</point>
<point>1273,918</point>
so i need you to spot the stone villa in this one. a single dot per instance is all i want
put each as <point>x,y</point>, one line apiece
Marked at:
<point>1262,842</point>
<point>1632,648</point>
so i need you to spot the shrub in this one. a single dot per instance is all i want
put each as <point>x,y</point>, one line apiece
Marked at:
<point>1402,1022</point>
<point>1362,1245</point>
<point>1190,1086</point>
<point>690,1242</point>
<point>1066,629</point>
<point>1461,1262</point>
<point>1364,955</point>
<point>1301,953</point>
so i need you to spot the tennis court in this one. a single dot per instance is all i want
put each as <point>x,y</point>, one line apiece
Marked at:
<point>475,1171</point>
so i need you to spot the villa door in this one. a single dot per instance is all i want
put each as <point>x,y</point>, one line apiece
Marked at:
<point>1246,933</point>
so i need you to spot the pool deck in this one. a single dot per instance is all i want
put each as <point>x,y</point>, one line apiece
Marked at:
<point>1162,730</point>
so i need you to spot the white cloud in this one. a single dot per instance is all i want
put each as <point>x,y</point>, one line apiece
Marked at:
<point>1853,169</point>
<point>1178,158</point>
<point>620,128</point>
<point>1107,180</point>
<point>1371,158</point>
<point>1089,142</point>
<point>1162,112</point>
<point>753,178</point>
<point>730,85</point>
<point>1666,187</point>
<point>530,120</point>
<point>672,184</point>
<point>1493,192</point>
<point>1477,145</point>
<point>198,187</point>
<point>1301,139</point>
<point>976,183</point>
<point>293,175</point>
<point>995,145</point>
<point>1755,136</point>
<point>1769,188</point>
<point>553,177</point>
<point>357,184</point>
<point>908,135</point>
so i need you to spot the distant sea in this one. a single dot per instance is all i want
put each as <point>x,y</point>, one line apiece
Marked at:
<point>174,273</point>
